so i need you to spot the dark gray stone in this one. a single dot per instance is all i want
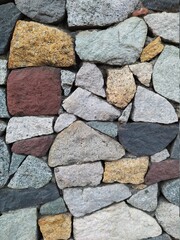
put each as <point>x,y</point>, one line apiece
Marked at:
<point>175,149</point>
<point>162,5</point>
<point>170,190</point>
<point>54,207</point>
<point>161,237</point>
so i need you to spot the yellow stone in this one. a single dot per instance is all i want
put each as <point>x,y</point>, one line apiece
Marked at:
<point>57,227</point>
<point>152,50</point>
<point>126,170</point>
<point>35,44</point>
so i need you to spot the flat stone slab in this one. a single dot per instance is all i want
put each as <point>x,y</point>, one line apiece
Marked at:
<point>170,190</point>
<point>162,5</point>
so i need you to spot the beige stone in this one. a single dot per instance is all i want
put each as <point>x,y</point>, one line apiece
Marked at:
<point>56,227</point>
<point>35,44</point>
<point>121,86</point>
<point>126,170</point>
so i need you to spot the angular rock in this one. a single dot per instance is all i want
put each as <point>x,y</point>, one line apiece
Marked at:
<point>119,45</point>
<point>16,160</point>
<point>88,106</point>
<point>164,236</point>
<point>125,114</point>
<point>170,190</point>
<point>89,174</point>
<point>63,121</point>
<point>55,207</point>
<point>57,49</point>
<point>146,138</point>
<point>162,5</point>
<point>3,126</point>
<point>3,71</point>
<point>80,144</point>
<point>126,170</point>
<point>3,108</point>
<point>160,156</point>
<point>175,149</point>
<point>4,162</point>
<point>34,91</point>
<point>33,172</point>
<point>116,222</point>
<point>67,80</point>
<point>20,128</point>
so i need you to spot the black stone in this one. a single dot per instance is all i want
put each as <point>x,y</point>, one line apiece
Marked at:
<point>146,138</point>
<point>5,1</point>
<point>162,5</point>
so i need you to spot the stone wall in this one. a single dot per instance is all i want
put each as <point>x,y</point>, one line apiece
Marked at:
<point>89,109</point>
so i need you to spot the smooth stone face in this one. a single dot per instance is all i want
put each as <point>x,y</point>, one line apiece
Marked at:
<point>54,207</point>
<point>164,236</point>
<point>125,222</point>
<point>162,5</point>
<point>94,109</point>
<point>175,149</point>
<point>3,71</point>
<point>80,144</point>
<point>3,108</point>
<point>4,162</point>
<point>16,160</point>
<point>63,121</point>
<point>170,190</point>
<point>146,138</point>
<point>125,114</point>
<point>119,45</point>
<point>67,80</point>
<point>3,126</point>
<point>160,156</point>
<point>83,201</point>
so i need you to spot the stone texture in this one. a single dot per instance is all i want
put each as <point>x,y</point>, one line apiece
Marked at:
<point>146,138</point>
<point>19,225</point>
<point>162,5</point>
<point>160,156</point>
<point>175,149</point>
<point>20,128</point>
<point>126,170</point>
<point>125,222</point>
<point>151,107</point>
<point>125,114</point>
<point>164,236</point>
<point>16,160</point>
<point>3,126</point>
<point>165,170</point>
<point>55,227</point>
<point>121,86</point>
<point>57,48</point>
<point>3,71</point>
<point>33,172</point>
<point>34,91</point>
<point>89,174</point>
<point>118,45</point>
<point>90,77</point>
<point>4,162</point>
<point>170,190</point>
<point>67,80</point>
<point>79,144</point>
<point>83,201</point>
<point>89,107</point>
<point>3,108</point>
<point>63,121</point>
<point>54,207</point>
<point>140,12</point>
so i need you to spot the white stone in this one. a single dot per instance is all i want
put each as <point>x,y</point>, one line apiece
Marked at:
<point>67,80</point>
<point>125,114</point>
<point>160,156</point>
<point>3,71</point>
<point>63,121</point>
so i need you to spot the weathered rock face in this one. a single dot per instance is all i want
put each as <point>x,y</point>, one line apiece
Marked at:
<point>3,108</point>
<point>53,207</point>
<point>170,190</point>
<point>4,162</point>
<point>3,71</point>
<point>162,5</point>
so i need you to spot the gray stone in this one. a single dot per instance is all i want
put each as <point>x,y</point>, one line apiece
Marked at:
<point>33,172</point>
<point>3,126</point>
<point>118,45</point>
<point>90,77</point>
<point>151,107</point>
<point>63,121</point>
<point>125,114</point>
<point>116,222</point>
<point>175,149</point>
<point>67,80</point>
<point>16,160</point>
<point>89,174</point>
<point>164,236</point>
<point>19,225</point>
<point>166,74</point>
<point>83,201</point>
<point>4,162</point>
<point>54,207</point>
<point>160,156</point>
<point>89,107</point>
<point>3,107</point>
<point>3,71</point>
<point>162,5</point>
<point>170,190</point>
<point>80,144</point>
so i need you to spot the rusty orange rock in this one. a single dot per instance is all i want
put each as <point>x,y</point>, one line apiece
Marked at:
<point>140,12</point>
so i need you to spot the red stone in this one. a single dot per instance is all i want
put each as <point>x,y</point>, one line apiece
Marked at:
<point>140,12</point>
<point>34,91</point>
<point>37,146</point>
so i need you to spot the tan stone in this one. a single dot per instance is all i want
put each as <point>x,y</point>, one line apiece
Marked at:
<point>121,86</point>
<point>126,170</point>
<point>56,227</point>
<point>35,44</point>
<point>152,50</point>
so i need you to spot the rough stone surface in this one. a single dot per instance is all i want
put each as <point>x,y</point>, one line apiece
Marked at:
<point>54,207</point>
<point>33,172</point>
<point>170,190</point>
<point>164,236</point>
<point>67,80</point>
<point>34,91</point>
<point>89,107</point>
<point>140,12</point>
<point>119,45</point>
<point>3,126</point>
<point>160,156</point>
<point>126,170</point>
<point>125,114</point>
<point>162,5</point>
<point>175,149</point>
<point>4,162</point>
<point>63,121</point>
<point>48,46</point>
<point>3,71</point>
<point>89,174</point>
<point>146,138</point>
<point>79,144</point>
<point>125,222</point>
<point>121,86</point>
<point>16,160</point>
<point>3,108</point>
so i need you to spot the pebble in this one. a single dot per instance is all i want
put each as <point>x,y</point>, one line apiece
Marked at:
<point>162,5</point>
<point>3,108</point>
<point>175,154</point>
<point>67,80</point>
<point>125,114</point>
<point>63,121</point>
<point>160,156</point>
<point>54,207</point>
<point>170,190</point>
<point>16,160</point>
<point>4,162</point>
<point>3,71</point>
<point>3,126</point>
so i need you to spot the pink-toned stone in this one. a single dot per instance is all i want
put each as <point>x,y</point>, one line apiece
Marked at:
<point>140,12</point>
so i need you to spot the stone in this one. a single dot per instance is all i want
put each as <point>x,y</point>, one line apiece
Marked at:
<point>3,71</point>
<point>3,108</point>
<point>165,170</point>
<point>57,49</point>
<point>160,156</point>
<point>164,236</point>
<point>43,10</point>
<point>34,91</point>
<point>151,107</point>
<point>146,199</point>
<point>16,160</point>
<point>80,144</point>
<point>3,126</point>
<point>67,80</point>
<point>146,138</point>
<point>84,201</point>
<point>9,15</point>
<point>167,215</point>
<point>94,109</point>
<point>140,12</point>
<point>54,207</point>
<point>121,86</point>
<point>170,190</point>
<point>153,49</point>
<point>118,45</point>
<point>33,172</point>
<point>116,222</point>
<point>20,128</point>
<point>165,25</point>
<point>125,114</point>
<point>162,5</point>
<point>89,174</point>
<point>38,146</point>
<point>55,227</point>
<point>90,77</point>
<point>126,170</point>
<point>175,149</point>
<point>20,224</point>
<point>63,121</point>
<point>4,162</point>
